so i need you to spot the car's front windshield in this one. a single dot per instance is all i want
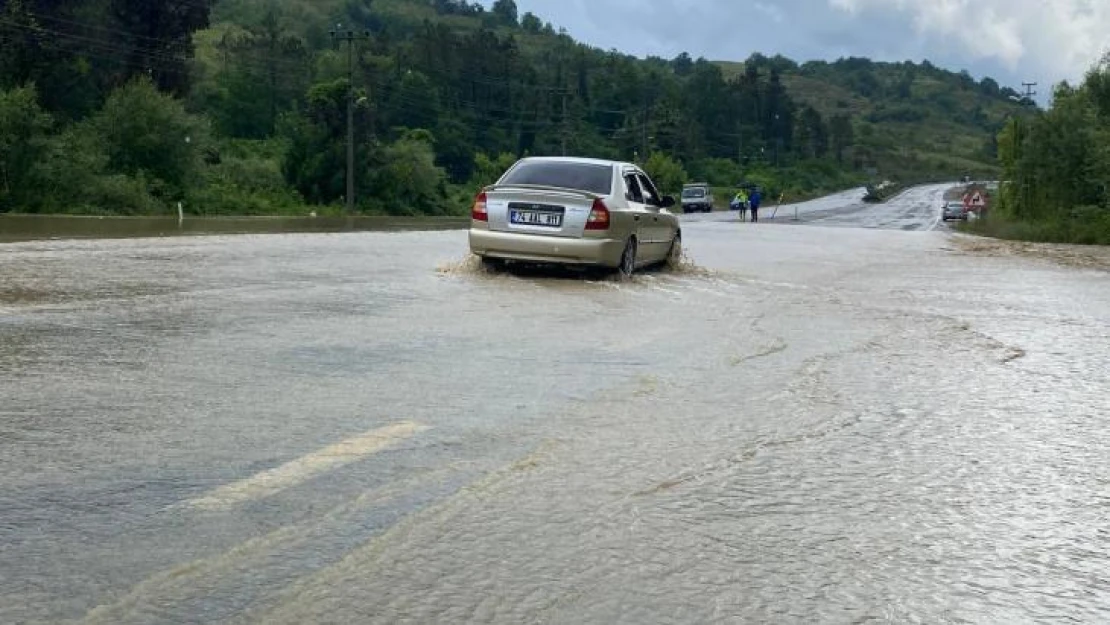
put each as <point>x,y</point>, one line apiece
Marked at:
<point>693,193</point>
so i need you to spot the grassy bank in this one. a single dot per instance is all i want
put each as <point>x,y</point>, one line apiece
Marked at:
<point>1083,227</point>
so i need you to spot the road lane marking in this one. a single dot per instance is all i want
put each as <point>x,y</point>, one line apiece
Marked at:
<point>307,467</point>
<point>194,581</point>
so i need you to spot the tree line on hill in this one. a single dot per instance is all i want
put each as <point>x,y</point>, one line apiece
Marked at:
<point>239,106</point>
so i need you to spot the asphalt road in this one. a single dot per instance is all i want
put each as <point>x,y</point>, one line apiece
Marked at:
<point>915,209</point>
<point>850,419</point>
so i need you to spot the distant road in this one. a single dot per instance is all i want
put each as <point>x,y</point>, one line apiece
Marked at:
<point>917,208</point>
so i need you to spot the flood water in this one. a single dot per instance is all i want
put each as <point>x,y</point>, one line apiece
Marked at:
<point>834,422</point>
<point>37,227</point>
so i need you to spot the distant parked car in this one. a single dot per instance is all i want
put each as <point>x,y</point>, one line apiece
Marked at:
<point>697,197</point>
<point>575,211</point>
<point>954,210</point>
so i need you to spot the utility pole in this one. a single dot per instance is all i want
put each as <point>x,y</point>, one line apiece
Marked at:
<point>564,129</point>
<point>775,130</point>
<point>350,37</point>
<point>1029,93</point>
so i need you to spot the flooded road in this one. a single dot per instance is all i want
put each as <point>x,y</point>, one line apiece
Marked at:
<point>916,208</point>
<point>807,423</point>
<point>41,227</point>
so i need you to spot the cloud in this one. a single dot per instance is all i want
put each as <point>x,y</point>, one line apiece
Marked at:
<point>1011,40</point>
<point>1060,38</point>
<point>773,12</point>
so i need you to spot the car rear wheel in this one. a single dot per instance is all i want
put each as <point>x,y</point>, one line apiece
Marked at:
<point>628,259</point>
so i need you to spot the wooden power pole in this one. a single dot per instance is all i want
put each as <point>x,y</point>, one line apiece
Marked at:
<point>350,37</point>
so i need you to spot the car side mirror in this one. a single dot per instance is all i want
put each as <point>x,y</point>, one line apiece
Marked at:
<point>668,201</point>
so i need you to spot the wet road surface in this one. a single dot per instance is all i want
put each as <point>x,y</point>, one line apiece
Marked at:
<point>804,424</point>
<point>916,208</point>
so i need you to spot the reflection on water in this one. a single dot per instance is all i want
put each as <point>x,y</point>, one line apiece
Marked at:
<point>34,227</point>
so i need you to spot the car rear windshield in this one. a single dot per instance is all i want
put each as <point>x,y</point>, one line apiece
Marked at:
<point>693,193</point>
<point>580,176</point>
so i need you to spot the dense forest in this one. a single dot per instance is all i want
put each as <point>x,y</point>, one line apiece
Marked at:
<point>1057,167</point>
<point>240,107</point>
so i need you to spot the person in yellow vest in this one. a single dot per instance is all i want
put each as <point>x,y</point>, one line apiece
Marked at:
<point>741,201</point>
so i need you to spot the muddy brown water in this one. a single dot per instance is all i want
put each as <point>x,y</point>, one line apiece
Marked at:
<point>37,227</point>
<point>801,424</point>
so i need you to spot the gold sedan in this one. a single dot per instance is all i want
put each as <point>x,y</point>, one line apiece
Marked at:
<point>575,211</point>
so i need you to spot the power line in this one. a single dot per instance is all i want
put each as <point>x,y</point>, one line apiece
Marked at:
<point>162,49</point>
<point>124,55</point>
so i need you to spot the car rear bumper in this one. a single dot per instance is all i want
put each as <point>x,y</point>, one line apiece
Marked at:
<point>541,249</point>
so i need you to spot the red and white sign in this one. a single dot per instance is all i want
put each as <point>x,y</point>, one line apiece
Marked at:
<point>975,201</point>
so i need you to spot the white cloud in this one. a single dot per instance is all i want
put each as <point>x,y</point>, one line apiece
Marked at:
<point>1056,38</point>
<point>1010,40</point>
<point>771,11</point>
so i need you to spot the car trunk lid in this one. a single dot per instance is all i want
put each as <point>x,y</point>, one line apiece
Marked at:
<point>539,210</point>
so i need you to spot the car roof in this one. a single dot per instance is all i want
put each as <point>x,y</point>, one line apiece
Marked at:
<point>578,160</point>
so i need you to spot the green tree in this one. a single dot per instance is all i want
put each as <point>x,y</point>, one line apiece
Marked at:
<point>1011,144</point>
<point>531,24</point>
<point>22,39</point>
<point>158,38</point>
<point>841,135</point>
<point>487,170</point>
<point>1057,163</point>
<point>144,131</point>
<point>45,42</point>
<point>404,179</point>
<point>506,11</point>
<point>264,71</point>
<point>315,163</point>
<point>811,134</point>
<point>667,173</point>
<point>24,127</point>
<point>414,102</point>
<point>1098,87</point>
<point>454,147</point>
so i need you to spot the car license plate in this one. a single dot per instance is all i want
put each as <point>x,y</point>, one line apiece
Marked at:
<point>536,218</point>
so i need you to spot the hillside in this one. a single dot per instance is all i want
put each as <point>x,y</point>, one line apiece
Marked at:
<point>447,94</point>
<point>912,117</point>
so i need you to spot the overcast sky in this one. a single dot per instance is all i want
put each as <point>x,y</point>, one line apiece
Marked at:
<point>1043,41</point>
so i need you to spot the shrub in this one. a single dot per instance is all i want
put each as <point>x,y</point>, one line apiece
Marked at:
<point>144,130</point>
<point>666,172</point>
<point>23,143</point>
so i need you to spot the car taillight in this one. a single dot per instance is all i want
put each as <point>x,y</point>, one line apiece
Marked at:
<point>478,212</point>
<point>599,216</point>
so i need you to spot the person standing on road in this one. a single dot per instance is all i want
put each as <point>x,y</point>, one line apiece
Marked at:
<point>742,203</point>
<point>755,200</point>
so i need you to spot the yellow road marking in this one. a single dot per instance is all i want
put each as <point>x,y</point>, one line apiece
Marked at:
<point>307,467</point>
